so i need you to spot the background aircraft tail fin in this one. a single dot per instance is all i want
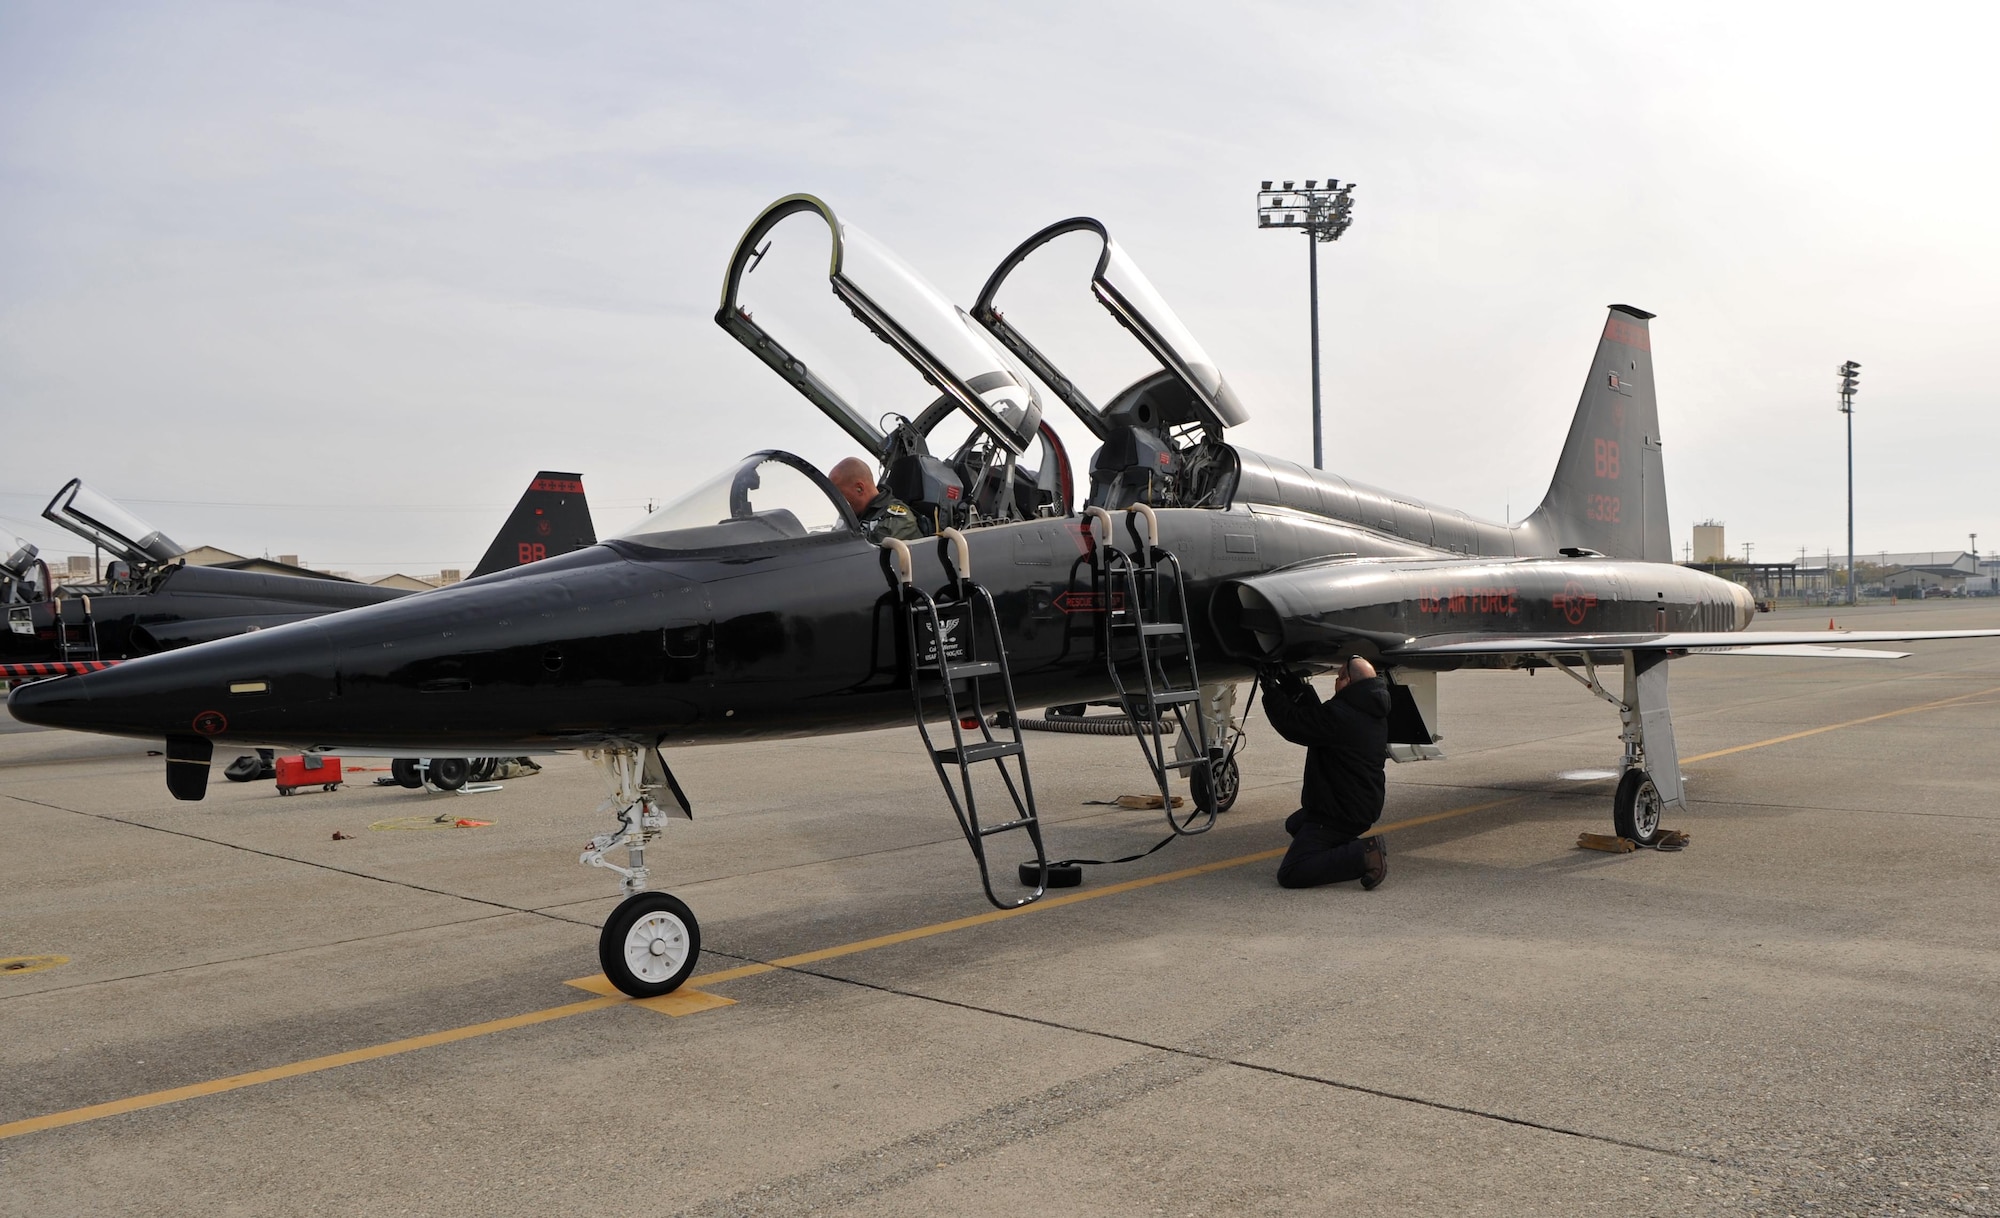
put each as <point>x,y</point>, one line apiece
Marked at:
<point>552,518</point>
<point>1609,493</point>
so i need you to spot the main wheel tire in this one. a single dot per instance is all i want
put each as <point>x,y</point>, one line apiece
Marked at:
<point>448,773</point>
<point>649,944</point>
<point>1635,811</point>
<point>404,771</point>
<point>1228,782</point>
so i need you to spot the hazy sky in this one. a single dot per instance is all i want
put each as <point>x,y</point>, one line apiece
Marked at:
<point>336,281</point>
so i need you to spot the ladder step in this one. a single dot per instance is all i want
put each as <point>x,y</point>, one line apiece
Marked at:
<point>1189,764</point>
<point>990,830</point>
<point>985,750</point>
<point>1174,697</point>
<point>1152,629</point>
<point>982,668</point>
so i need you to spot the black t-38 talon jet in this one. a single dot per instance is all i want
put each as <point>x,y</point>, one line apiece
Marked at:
<point>150,599</point>
<point>758,605</point>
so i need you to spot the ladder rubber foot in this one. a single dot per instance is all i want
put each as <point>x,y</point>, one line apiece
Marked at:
<point>1061,875</point>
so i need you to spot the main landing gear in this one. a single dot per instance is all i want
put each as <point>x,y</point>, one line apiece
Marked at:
<point>1651,782</point>
<point>651,942</point>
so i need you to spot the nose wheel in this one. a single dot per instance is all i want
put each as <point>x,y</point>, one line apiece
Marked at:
<point>649,944</point>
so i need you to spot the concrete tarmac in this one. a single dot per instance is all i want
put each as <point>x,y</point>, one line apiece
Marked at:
<point>1798,1014</point>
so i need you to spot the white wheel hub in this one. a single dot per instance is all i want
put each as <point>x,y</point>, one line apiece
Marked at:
<point>656,947</point>
<point>1646,810</point>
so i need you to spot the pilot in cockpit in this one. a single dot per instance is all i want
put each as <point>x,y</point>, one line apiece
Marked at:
<point>881,513</point>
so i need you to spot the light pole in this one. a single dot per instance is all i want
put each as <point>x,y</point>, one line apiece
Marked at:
<point>1850,383</point>
<point>1324,212</point>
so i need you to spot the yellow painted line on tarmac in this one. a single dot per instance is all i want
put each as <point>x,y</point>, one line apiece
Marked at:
<point>1834,727</point>
<point>76,1116</point>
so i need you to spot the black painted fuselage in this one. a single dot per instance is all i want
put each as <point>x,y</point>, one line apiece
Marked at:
<point>802,636</point>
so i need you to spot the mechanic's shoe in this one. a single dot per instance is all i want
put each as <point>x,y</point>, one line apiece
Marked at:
<point>1374,864</point>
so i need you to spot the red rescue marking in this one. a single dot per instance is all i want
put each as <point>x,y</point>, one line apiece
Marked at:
<point>1087,602</point>
<point>951,494</point>
<point>211,723</point>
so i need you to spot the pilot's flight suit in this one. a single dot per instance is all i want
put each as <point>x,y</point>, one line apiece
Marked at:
<point>888,516</point>
<point>1346,741</point>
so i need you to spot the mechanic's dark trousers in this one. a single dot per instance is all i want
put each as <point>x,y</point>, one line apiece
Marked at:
<point>1320,854</point>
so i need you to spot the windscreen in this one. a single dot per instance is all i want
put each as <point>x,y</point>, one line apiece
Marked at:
<point>767,497</point>
<point>102,522</point>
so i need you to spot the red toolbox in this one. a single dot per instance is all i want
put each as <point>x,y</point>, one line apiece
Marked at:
<point>310,771</point>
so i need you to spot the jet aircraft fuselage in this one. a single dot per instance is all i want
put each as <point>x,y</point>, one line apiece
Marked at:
<point>801,635</point>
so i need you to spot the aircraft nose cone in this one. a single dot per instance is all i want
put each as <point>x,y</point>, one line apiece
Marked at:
<point>57,702</point>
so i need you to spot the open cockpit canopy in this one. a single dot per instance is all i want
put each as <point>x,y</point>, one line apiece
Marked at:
<point>767,497</point>
<point>1193,390</point>
<point>104,523</point>
<point>961,362</point>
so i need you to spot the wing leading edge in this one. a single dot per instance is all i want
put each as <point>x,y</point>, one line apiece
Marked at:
<point>1799,643</point>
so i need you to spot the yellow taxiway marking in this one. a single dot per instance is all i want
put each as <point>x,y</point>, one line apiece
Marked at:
<point>599,985</point>
<point>14,966</point>
<point>75,1116</point>
<point>1834,727</point>
<point>684,1001</point>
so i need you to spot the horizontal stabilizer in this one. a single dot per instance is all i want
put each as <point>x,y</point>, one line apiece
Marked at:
<point>1686,641</point>
<point>1802,651</point>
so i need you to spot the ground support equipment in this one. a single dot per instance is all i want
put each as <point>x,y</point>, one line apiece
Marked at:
<point>950,680</point>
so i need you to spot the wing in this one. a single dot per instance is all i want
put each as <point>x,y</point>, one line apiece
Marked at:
<point>1801,643</point>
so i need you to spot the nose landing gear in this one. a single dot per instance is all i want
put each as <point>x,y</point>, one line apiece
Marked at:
<point>651,942</point>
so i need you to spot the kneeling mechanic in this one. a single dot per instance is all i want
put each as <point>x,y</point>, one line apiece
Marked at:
<point>1346,740</point>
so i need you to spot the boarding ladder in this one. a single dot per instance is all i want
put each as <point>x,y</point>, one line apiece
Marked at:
<point>1147,645</point>
<point>87,648</point>
<point>948,679</point>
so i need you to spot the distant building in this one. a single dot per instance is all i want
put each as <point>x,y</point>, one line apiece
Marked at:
<point>408,583</point>
<point>1708,543</point>
<point>450,575</point>
<point>1924,579</point>
<point>284,564</point>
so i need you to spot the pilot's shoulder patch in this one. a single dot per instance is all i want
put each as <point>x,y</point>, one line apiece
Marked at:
<point>896,509</point>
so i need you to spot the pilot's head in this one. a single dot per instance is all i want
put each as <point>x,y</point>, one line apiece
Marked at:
<point>1356,669</point>
<point>855,482</point>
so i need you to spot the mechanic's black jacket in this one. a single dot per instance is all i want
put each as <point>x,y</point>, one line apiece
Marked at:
<point>1346,741</point>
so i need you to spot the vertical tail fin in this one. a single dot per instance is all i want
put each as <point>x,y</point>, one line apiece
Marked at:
<point>552,518</point>
<point>1609,493</point>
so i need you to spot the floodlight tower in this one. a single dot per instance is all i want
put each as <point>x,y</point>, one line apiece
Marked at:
<point>1850,384</point>
<point>1324,212</point>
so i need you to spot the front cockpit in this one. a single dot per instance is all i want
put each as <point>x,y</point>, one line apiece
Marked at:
<point>767,498</point>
